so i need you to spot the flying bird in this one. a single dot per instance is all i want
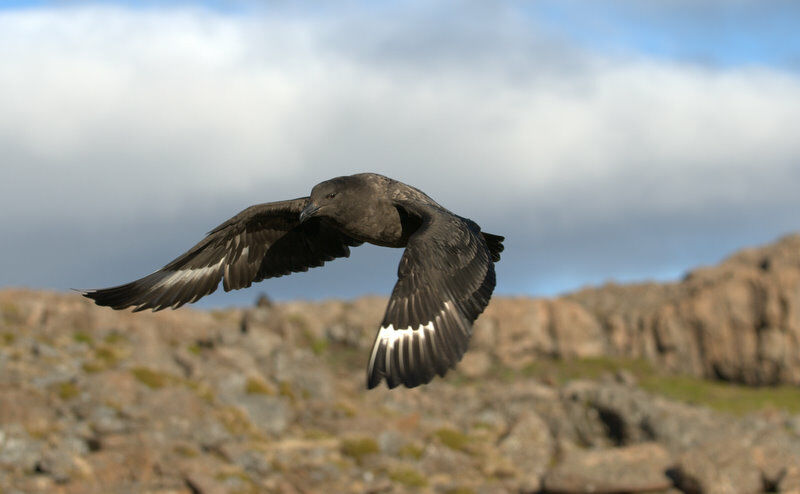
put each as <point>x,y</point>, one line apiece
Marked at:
<point>445,277</point>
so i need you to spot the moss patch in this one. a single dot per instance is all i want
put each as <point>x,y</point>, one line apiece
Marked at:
<point>237,482</point>
<point>453,439</point>
<point>411,451</point>
<point>408,477</point>
<point>185,451</point>
<point>10,313</point>
<point>316,434</point>
<point>319,346</point>
<point>359,448</point>
<point>202,390</point>
<point>255,386</point>
<point>82,337</point>
<point>235,421</point>
<point>285,389</point>
<point>115,338</point>
<point>67,390</point>
<point>92,367</point>
<point>7,338</point>
<point>151,378</point>
<point>345,409</point>
<point>460,490</point>
<point>107,355</point>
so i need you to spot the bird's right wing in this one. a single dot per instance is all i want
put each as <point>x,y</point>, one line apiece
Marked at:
<point>263,241</point>
<point>445,279</point>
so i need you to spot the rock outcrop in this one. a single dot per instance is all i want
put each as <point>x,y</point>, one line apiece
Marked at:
<point>738,321</point>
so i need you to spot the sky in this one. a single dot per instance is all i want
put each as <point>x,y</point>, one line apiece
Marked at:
<point>607,140</point>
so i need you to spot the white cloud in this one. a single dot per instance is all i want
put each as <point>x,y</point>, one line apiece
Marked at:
<point>133,113</point>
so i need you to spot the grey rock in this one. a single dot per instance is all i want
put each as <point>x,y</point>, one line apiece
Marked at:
<point>18,451</point>
<point>391,442</point>
<point>719,467</point>
<point>639,468</point>
<point>270,413</point>
<point>530,447</point>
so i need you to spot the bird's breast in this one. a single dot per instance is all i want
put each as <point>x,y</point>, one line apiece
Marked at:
<point>378,225</point>
<point>383,232</point>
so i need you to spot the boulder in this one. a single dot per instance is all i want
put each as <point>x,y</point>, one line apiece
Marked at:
<point>638,468</point>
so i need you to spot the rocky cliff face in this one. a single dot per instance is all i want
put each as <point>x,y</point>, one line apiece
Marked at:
<point>272,398</point>
<point>738,321</point>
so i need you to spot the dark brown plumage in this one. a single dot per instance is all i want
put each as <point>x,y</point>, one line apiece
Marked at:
<point>445,278</point>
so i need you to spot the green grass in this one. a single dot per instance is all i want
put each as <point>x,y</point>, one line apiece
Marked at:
<point>725,397</point>
<point>564,370</point>
<point>721,396</point>
<point>7,338</point>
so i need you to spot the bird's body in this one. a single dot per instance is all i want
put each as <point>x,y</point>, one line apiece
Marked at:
<point>445,278</point>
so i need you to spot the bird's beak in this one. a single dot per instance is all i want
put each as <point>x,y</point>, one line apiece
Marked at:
<point>308,212</point>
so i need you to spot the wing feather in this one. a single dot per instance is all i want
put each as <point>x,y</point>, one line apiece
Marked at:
<point>445,279</point>
<point>263,241</point>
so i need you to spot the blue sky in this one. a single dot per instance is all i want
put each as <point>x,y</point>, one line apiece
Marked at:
<point>718,32</point>
<point>607,140</point>
<point>725,33</point>
<point>714,32</point>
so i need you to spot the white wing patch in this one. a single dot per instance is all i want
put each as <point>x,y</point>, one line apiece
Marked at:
<point>186,275</point>
<point>394,340</point>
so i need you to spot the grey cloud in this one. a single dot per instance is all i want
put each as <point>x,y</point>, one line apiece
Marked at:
<point>128,134</point>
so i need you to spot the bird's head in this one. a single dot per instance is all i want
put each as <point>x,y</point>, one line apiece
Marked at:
<point>333,199</point>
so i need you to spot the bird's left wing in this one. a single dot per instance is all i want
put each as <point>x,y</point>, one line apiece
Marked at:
<point>445,279</point>
<point>263,241</point>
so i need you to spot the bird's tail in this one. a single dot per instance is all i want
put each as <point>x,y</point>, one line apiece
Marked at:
<point>495,245</point>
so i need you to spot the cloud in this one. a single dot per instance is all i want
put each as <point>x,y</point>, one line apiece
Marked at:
<point>130,132</point>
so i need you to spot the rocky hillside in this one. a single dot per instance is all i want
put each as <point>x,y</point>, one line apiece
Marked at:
<point>738,321</point>
<point>272,398</point>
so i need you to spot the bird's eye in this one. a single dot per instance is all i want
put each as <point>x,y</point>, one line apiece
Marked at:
<point>331,195</point>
